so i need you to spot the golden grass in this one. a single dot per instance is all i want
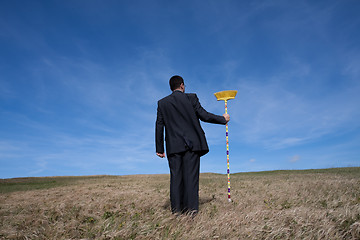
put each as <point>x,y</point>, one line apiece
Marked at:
<point>323,204</point>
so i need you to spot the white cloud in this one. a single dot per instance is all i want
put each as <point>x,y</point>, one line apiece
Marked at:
<point>295,159</point>
<point>277,115</point>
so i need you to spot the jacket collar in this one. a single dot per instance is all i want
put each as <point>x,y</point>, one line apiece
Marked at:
<point>177,91</point>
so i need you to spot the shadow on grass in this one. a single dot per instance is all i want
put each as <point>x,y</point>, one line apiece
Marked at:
<point>202,201</point>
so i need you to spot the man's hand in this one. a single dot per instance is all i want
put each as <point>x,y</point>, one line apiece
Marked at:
<point>227,117</point>
<point>162,155</point>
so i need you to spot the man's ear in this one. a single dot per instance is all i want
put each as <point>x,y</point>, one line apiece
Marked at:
<point>182,85</point>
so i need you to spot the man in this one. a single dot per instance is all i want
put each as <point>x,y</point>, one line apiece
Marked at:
<point>185,140</point>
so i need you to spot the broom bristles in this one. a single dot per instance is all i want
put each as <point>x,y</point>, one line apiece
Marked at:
<point>225,95</point>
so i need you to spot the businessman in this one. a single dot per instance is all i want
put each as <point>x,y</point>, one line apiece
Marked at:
<point>179,113</point>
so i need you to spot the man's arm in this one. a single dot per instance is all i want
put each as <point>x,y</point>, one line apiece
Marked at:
<point>206,116</point>
<point>159,134</point>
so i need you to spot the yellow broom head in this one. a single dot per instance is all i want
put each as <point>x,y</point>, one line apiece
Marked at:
<point>225,95</point>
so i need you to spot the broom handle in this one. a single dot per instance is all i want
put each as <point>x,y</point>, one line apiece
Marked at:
<point>227,154</point>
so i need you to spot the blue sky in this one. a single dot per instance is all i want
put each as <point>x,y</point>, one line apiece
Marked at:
<point>80,80</point>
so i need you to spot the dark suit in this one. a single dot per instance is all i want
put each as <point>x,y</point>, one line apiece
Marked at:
<point>185,140</point>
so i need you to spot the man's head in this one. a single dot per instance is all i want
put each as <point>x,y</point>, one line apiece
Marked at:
<point>177,83</point>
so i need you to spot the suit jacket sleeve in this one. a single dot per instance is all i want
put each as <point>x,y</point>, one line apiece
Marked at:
<point>203,115</point>
<point>159,132</point>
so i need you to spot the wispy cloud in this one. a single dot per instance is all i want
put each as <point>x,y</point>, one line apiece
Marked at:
<point>278,116</point>
<point>295,159</point>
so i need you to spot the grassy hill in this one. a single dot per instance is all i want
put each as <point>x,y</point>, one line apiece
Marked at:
<point>306,204</point>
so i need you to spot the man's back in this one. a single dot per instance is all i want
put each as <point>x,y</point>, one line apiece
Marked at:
<point>180,113</point>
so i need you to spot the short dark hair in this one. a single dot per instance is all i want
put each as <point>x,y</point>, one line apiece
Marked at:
<point>175,82</point>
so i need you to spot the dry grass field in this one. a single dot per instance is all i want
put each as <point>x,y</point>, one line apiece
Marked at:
<point>309,204</point>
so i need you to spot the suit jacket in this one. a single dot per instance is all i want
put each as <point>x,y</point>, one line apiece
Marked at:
<point>180,113</point>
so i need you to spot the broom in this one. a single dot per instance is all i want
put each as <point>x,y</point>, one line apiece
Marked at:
<point>226,95</point>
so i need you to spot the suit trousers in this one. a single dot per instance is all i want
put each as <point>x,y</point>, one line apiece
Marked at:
<point>184,181</point>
